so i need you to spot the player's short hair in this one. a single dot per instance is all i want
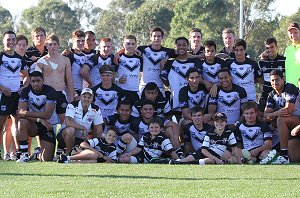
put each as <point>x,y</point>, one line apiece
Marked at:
<point>182,38</point>
<point>130,37</point>
<point>52,37</point>
<point>151,86</point>
<point>38,29</point>
<point>156,120</point>
<point>36,74</point>
<point>240,42</point>
<point>249,105</point>
<point>196,30</point>
<point>78,33</point>
<point>89,32</point>
<point>210,43</point>
<point>20,38</point>
<point>228,31</point>
<point>114,129</point>
<point>224,70</point>
<point>197,109</point>
<point>124,102</point>
<point>147,102</point>
<point>105,39</point>
<point>157,29</point>
<point>276,72</point>
<point>9,32</point>
<point>106,69</point>
<point>191,70</point>
<point>271,40</point>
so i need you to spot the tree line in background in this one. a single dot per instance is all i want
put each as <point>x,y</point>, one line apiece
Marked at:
<point>137,17</point>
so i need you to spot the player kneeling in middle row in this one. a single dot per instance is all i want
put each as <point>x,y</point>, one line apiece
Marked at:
<point>152,145</point>
<point>96,150</point>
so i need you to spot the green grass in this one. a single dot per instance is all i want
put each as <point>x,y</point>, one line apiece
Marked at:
<point>37,179</point>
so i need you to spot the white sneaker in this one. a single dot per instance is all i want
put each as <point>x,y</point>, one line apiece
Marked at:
<point>23,158</point>
<point>247,156</point>
<point>280,160</point>
<point>270,157</point>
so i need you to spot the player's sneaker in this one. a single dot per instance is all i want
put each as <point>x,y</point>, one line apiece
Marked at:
<point>13,157</point>
<point>23,158</point>
<point>7,157</point>
<point>63,159</point>
<point>173,161</point>
<point>35,155</point>
<point>247,156</point>
<point>270,157</point>
<point>280,160</point>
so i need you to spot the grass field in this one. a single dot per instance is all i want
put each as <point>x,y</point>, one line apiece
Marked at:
<point>37,179</point>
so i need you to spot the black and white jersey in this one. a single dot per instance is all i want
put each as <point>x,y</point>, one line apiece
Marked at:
<point>77,61</point>
<point>175,71</point>
<point>200,51</point>
<point>10,68</point>
<point>189,98</point>
<point>219,143</point>
<point>34,52</point>
<point>244,75</point>
<point>253,136</point>
<point>100,144</point>
<point>162,107</point>
<point>108,99</point>
<point>229,102</point>
<point>139,126</point>
<point>231,54</point>
<point>89,54</point>
<point>154,148</point>
<point>130,67</point>
<point>266,66</point>
<point>210,71</point>
<point>95,62</point>
<point>122,126</point>
<point>151,64</point>
<point>195,136</point>
<point>289,94</point>
<point>37,101</point>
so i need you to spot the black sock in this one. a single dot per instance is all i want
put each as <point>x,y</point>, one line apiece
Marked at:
<point>23,147</point>
<point>284,153</point>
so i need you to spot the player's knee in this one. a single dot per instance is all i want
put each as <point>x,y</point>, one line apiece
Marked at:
<point>68,132</point>
<point>127,138</point>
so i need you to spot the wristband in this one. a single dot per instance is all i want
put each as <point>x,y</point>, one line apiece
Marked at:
<point>76,94</point>
<point>38,120</point>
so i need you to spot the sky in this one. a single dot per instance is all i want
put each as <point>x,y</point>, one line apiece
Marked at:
<point>284,7</point>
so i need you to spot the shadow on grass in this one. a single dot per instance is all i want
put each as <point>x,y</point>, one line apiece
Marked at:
<point>144,177</point>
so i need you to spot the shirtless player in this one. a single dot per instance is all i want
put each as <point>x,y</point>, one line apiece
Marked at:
<point>57,73</point>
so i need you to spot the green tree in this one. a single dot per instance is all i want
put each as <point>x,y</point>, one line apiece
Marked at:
<point>150,14</point>
<point>54,16</point>
<point>6,20</point>
<point>86,12</point>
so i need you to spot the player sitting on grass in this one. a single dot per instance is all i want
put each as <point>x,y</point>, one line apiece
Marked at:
<point>255,136</point>
<point>152,145</point>
<point>216,142</point>
<point>96,150</point>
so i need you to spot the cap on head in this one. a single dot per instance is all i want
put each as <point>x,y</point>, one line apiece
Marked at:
<point>220,116</point>
<point>293,25</point>
<point>87,90</point>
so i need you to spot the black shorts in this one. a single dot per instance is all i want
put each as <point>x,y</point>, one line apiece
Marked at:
<point>132,96</point>
<point>9,105</point>
<point>61,102</point>
<point>262,104</point>
<point>198,155</point>
<point>45,135</point>
<point>61,142</point>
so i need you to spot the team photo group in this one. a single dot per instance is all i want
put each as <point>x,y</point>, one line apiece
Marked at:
<point>191,104</point>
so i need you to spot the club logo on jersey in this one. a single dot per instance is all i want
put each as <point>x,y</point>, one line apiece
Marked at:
<point>130,65</point>
<point>229,99</point>
<point>211,71</point>
<point>3,107</point>
<point>89,119</point>
<point>12,65</point>
<point>156,57</point>
<point>242,72</point>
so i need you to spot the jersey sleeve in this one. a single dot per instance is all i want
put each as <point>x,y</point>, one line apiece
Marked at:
<point>166,145</point>
<point>231,140</point>
<point>141,143</point>
<point>187,134</point>
<point>266,131</point>
<point>93,142</point>
<point>206,142</point>
<point>134,125</point>
<point>51,95</point>
<point>271,103</point>
<point>98,119</point>
<point>257,71</point>
<point>243,95</point>
<point>135,112</point>
<point>183,98</point>
<point>291,94</point>
<point>24,64</point>
<point>70,111</point>
<point>165,71</point>
<point>92,61</point>
<point>24,97</point>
